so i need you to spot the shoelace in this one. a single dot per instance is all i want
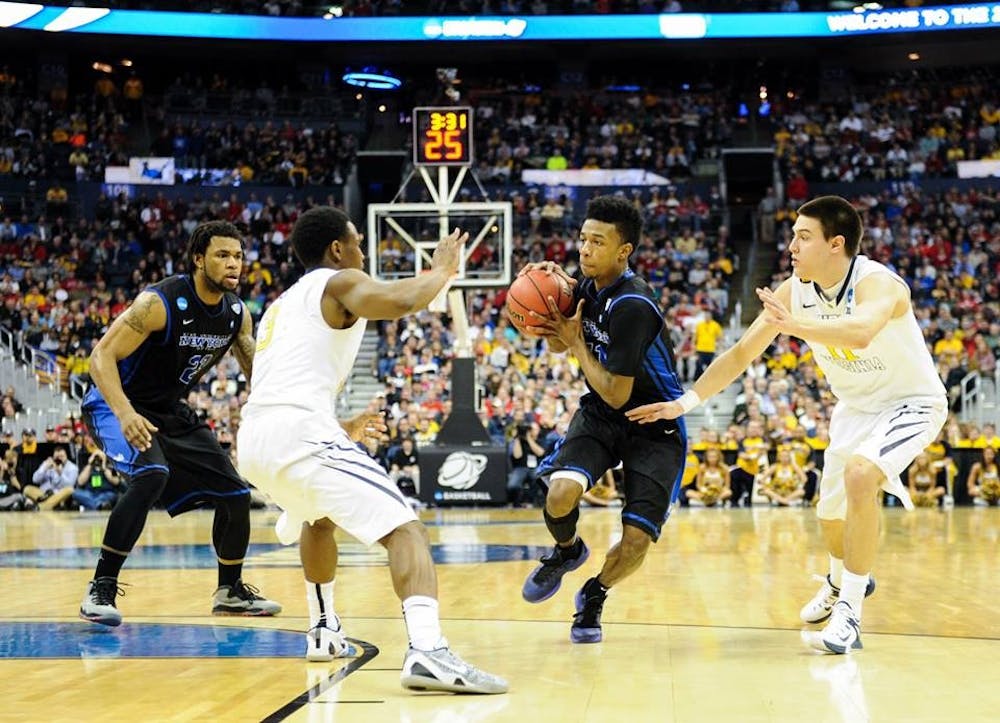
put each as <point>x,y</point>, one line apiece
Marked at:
<point>104,592</point>
<point>550,564</point>
<point>593,606</point>
<point>244,591</point>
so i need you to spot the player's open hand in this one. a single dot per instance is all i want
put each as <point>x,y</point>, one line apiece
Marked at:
<point>775,312</point>
<point>369,428</point>
<point>448,252</point>
<point>648,413</point>
<point>549,267</point>
<point>566,329</point>
<point>138,430</point>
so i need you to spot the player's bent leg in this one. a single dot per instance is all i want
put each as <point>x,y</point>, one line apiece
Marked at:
<point>570,552</point>
<point>231,535</point>
<point>325,639</point>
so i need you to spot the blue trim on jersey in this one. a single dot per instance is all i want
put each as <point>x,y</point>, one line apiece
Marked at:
<point>660,369</point>
<point>208,310</point>
<point>206,493</point>
<point>676,491</point>
<point>652,528</point>
<point>166,305</point>
<point>108,431</point>
<point>637,296</point>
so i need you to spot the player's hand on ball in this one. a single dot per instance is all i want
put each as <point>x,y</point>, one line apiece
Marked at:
<point>549,267</point>
<point>448,252</point>
<point>653,412</point>
<point>564,328</point>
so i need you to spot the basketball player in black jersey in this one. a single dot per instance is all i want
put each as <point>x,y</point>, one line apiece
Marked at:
<point>621,341</point>
<point>142,369</point>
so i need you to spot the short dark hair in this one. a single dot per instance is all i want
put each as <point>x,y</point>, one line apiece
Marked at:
<point>315,230</point>
<point>625,217</point>
<point>201,237</point>
<point>837,217</point>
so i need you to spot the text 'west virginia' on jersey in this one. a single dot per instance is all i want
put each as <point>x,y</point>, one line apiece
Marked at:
<point>300,361</point>
<point>625,331</point>
<point>895,365</point>
<point>171,361</point>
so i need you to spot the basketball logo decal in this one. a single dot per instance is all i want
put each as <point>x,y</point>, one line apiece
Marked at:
<point>461,470</point>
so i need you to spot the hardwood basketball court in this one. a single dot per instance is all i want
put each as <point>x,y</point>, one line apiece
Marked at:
<point>707,630</point>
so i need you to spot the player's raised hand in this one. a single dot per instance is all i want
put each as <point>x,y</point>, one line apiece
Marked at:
<point>448,252</point>
<point>775,312</point>
<point>138,430</point>
<point>648,413</point>
<point>549,267</point>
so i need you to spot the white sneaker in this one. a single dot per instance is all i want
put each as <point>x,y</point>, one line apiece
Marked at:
<point>325,643</point>
<point>441,669</point>
<point>98,604</point>
<point>819,608</point>
<point>841,635</point>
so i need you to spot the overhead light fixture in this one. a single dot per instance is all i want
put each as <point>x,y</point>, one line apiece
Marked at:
<point>126,63</point>
<point>101,67</point>
<point>371,78</point>
<point>914,56</point>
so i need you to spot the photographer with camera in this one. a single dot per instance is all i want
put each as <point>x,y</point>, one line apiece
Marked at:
<point>97,485</point>
<point>52,484</point>
<point>526,451</point>
<point>11,497</point>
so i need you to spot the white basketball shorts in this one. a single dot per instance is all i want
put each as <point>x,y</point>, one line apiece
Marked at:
<point>311,469</point>
<point>890,439</point>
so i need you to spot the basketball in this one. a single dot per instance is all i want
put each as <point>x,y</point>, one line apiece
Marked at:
<point>530,292</point>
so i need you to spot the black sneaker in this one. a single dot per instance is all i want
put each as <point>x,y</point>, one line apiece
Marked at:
<point>589,606</point>
<point>544,580</point>
<point>98,604</point>
<point>242,599</point>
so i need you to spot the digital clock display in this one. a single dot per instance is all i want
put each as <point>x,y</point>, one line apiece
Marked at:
<point>442,136</point>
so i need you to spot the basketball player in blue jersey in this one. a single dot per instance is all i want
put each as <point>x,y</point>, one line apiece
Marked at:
<point>623,346</point>
<point>856,316</point>
<point>142,369</point>
<point>292,445</point>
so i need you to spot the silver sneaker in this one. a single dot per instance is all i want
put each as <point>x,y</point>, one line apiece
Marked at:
<point>326,643</point>
<point>98,604</point>
<point>242,599</point>
<point>441,669</point>
<point>841,635</point>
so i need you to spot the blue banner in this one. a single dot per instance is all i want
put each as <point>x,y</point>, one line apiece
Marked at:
<point>679,26</point>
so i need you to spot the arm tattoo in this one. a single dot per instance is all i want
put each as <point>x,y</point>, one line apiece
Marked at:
<point>139,313</point>
<point>244,351</point>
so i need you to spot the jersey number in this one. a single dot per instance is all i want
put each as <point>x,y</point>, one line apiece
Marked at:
<point>194,363</point>
<point>266,330</point>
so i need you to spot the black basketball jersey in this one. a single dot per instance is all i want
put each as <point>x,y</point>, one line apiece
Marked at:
<point>165,367</point>
<point>625,331</point>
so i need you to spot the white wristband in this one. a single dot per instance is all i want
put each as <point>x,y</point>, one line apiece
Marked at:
<point>689,400</point>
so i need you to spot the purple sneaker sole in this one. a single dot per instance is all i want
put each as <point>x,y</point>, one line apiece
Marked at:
<point>581,634</point>
<point>539,593</point>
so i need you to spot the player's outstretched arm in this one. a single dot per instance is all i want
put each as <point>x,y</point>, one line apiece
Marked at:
<point>364,296</point>
<point>721,372</point>
<point>146,316</point>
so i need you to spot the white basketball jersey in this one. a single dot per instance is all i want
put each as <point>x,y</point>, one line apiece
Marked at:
<point>896,365</point>
<point>300,361</point>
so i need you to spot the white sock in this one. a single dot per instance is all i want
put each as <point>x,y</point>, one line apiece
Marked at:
<point>320,598</point>
<point>422,622</point>
<point>836,571</point>
<point>853,590</point>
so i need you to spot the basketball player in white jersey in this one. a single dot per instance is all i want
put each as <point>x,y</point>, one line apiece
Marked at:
<point>292,446</point>
<point>855,314</point>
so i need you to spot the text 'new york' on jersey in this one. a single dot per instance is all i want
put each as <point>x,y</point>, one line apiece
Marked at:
<point>165,367</point>
<point>626,333</point>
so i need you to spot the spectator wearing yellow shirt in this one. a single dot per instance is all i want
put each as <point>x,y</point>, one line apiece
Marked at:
<point>948,344</point>
<point>748,464</point>
<point>707,333</point>
<point>988,438</point>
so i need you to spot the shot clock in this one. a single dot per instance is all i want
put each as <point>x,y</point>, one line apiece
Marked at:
<point>442,136</point>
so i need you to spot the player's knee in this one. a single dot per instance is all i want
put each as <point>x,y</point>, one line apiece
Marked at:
<point>862,478</point>
<point>563,496</point>
<point>410,534</point>
<point>237,505</point>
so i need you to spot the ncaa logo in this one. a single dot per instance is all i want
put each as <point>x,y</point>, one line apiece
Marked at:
<point>182,303</point>
<point>461,470</point>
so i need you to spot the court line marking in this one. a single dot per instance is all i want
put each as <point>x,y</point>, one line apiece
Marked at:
<point>289,708</point>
